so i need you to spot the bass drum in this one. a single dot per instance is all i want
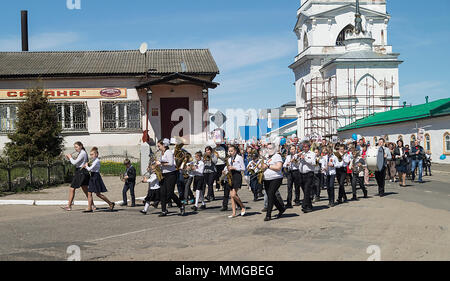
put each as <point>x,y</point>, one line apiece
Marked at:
<point>371,159</point>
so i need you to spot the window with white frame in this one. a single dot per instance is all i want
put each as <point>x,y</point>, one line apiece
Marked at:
<point>428,143</point>
<point>447,143</point>
<point>121,115</point>
<point>72,116</point>
<point>8,117</point>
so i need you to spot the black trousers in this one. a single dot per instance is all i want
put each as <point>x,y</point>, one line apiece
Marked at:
<point>271,187</point>
<point>318,183</point>
<point>218,174</point>
<point>129,186</point>
<point>358,181</point>
<point>167,190</point>
<point>209,182</point>
<point>341,174</point>
<point>293,181</point>
<point>307,184</point>
<point>330,187</point>
<point>380,178</point>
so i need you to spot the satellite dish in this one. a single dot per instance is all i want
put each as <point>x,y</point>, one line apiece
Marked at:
<point>143,48</point>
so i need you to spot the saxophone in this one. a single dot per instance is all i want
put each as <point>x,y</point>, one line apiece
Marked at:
<point>179,155</point>
<point>157,170</point>
<point>228,175</point>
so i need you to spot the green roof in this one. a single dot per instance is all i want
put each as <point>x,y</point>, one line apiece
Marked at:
<point>431,109</point>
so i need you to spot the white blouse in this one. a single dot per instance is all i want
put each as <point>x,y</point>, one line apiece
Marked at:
<point>170,160</point>
<point>270,174</point>
<point>81,159</point>
<point>153,182</point>
<point>95,167</point>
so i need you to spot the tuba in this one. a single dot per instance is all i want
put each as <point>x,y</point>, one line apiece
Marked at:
<point>179,153</point>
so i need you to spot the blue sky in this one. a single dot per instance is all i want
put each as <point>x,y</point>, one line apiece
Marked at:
<point>252,41</point>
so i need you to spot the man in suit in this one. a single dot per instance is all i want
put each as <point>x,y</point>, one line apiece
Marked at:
<point>384,154</point>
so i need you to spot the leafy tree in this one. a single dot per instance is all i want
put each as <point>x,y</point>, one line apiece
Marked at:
<point>38,132</point>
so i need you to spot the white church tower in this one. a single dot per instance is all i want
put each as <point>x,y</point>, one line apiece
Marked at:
<point>345,69</point>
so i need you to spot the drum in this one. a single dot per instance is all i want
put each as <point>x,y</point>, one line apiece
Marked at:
<point>371,158</point>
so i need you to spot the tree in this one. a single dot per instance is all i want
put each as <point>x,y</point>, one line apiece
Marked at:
<point>38,132</point>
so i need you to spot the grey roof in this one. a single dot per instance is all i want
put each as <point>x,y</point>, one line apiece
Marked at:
<point>92,63</point>
<point>362,56</point>
<point>291,103</point>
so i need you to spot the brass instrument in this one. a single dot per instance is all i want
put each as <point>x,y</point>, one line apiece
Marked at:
<point>228,175</point>
<point>179,154</point>
<point>144,176</point>
<point>207,158</point>
<point>339,156</point>
<point>158,170</point>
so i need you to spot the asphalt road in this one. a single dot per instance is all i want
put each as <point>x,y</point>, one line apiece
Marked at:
<point>410,224</point>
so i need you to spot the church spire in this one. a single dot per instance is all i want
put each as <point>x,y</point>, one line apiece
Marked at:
<point>358,20</point>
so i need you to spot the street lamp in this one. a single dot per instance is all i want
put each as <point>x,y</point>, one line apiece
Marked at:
<point>149,94</point>
<point>205,93</point>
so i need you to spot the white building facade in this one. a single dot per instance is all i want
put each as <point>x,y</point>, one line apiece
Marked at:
<point>342,75</point>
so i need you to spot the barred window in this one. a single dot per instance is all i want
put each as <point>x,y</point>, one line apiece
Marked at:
<point>121,116</point>
<point>8,117</point>
<point>72,116</point>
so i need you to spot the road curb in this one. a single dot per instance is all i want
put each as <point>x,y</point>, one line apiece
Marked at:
<point>54,202</point>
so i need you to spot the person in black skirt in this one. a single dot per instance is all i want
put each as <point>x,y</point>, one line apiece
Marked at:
<point>401,162</point>
<point>235,167</point>
<point>210,172</point>
<point>197,170</point>
<point>81,176</point>
<point>153,194</point>
<point>169,180</point>
<point>96,184</point>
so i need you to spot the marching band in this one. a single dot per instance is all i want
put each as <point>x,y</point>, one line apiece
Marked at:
<point>308,166</point>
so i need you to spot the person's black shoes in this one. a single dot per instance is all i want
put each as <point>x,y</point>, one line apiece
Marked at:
<point>195,209</point>
<point>203,207</point>
<point>143,212</point>
<point>267,219</point>
<point>182,211</point>
<point>224,209</point>
<point>280,214</point>
<point>163,214</point>
<point>289,206</point>
<point>331,205</point>
<point>297,203</point>
<point>355,198</point>
<point>307,210</point>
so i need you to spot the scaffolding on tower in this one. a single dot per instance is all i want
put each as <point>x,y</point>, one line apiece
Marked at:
<point>327,109</point>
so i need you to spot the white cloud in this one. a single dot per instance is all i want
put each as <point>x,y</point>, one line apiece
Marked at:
<point>42,42</point>
<point>231,54</point>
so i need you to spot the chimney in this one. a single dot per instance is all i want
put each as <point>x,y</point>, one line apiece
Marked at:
<point>24,15</point>
<point>427,98</point>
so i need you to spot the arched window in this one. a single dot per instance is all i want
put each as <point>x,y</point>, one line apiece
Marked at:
<point>428,143</point>
<point>400,137</point>
<point>305,41</point>
<point>375,140</point>
<point>386,138</point>
<point>447,143</point>
<point>341,37</point>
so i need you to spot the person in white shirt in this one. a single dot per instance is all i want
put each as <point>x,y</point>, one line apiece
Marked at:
<point>197,171</point>
<point>254,168</point>
<point>291,166</point>
<point>81,176</point>
<point>328,162</point>
<point>273,177</point>
<point>169,172</point>
<point>307,163</point>
<point>153,193</point>
<point>341,172</point>
<point>221,151</point>
<point>235,167</point>
<point>96,184</point>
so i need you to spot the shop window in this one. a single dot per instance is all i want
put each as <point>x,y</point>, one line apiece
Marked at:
<point>8,117</point>
<point>121,116</point>
<point>72,116</point>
